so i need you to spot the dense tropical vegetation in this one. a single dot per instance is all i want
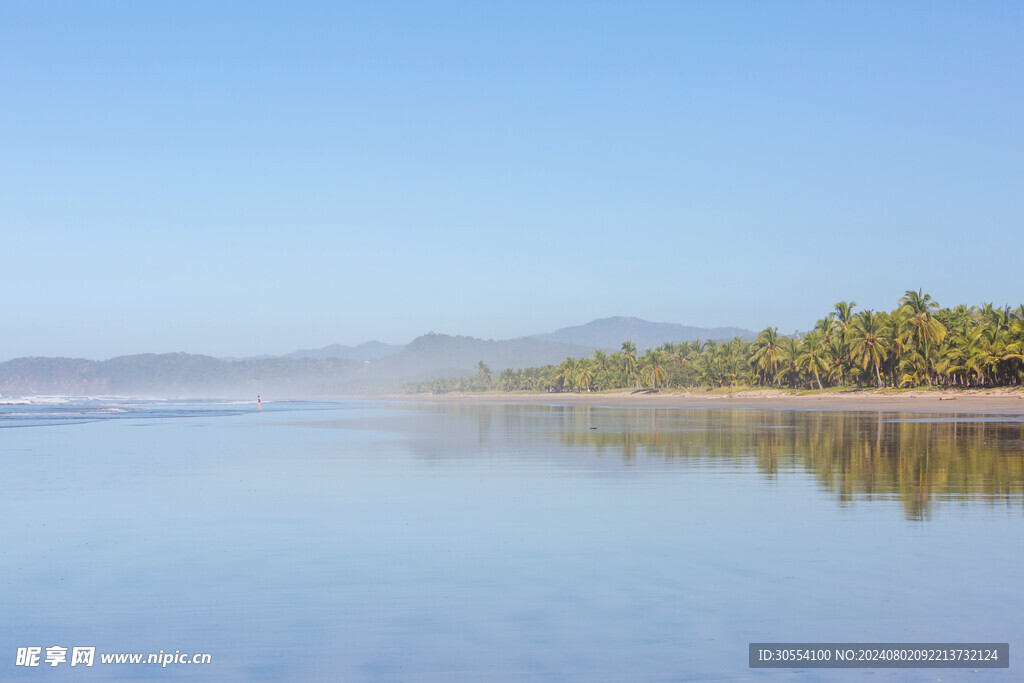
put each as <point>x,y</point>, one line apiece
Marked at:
<point>917,344</point>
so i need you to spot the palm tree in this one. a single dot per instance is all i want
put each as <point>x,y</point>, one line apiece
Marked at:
<point>867,342</point>
<point>507,380</point>
<point>602,370</point>
<point>814,355</point>
<point>897,342</point>
<point>1015,347</point>
<point>767,354</point>
<point>483,374</point>
<point>844,313</point>
<point>652,368</point>
<point>922,329</point>
<point>789,365</point>
<point>712,368</point>
<point>583,377</point>
<point>629,362</point>
<point>565,377</point>
<point>827,325</point>
<point>843,319</point>
<point>913,369</point>
<point>987,348</point>
<point>735,361</point>
<point>952,362</point>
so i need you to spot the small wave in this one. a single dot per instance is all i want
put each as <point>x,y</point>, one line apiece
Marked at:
<point>38,400</point>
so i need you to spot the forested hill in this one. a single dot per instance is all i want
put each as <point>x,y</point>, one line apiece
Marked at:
<point>609,333</point>
<point>182,374</point>
<point>439,355</point>
<point>179,374</point>
<point>365,351</point>
<point>605,333</point>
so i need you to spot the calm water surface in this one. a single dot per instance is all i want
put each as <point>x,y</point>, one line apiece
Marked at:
<point>376,541</point>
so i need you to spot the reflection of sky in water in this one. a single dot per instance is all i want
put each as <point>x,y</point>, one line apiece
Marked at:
<point>359,541</point>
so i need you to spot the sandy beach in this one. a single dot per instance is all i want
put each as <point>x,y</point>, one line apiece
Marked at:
<point>996,401</point>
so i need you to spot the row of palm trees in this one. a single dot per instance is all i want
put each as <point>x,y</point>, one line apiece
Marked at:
<point>917,344</point>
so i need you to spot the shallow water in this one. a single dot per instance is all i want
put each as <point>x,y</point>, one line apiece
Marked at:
<point>376,541</point>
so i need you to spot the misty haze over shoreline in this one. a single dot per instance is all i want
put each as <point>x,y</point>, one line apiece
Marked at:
<point>371,367</point>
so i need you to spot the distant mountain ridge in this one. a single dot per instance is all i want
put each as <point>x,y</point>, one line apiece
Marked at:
<point>179,374</point>
<point>182,374</point>
<point>603,333</point>
<point>365,351</point>
<point>441,355</point>
<point>609,333</point>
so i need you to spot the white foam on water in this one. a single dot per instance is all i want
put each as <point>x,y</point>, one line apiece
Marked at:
<point>37,400</point>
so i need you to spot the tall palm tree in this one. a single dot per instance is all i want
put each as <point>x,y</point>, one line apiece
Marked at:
<point>565,376</point>
<point>629,361</point>
<point>922,329</point>
<point>767,354</point>
<point>483,374</point>
<point>652,368</point>
<point>827,325</point>
<point>867,341</point>
<point>843,320</point>
<point>898,343</point>
<point>1015,346</point>
<point>507,380</point>
<point>814,355</point>
<point>952,362</point>
<point>602,370</point>
<point>584,376</point>
<point>844,313</point>
<point>789,365</point>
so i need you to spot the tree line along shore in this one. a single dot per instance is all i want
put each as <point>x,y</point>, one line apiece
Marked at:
<point>918,344</point>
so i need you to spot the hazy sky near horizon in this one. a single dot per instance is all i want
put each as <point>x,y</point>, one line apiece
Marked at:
<point>246,178</point>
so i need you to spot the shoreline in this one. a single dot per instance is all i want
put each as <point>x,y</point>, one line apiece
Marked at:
<point>947,401</point>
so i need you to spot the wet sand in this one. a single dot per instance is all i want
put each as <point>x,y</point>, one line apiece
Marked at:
<point>996,402</point>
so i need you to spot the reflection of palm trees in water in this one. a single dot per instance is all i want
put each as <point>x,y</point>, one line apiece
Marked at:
<point>859,457</point>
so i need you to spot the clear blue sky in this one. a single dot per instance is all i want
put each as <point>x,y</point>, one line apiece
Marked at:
<point>245,178</point>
